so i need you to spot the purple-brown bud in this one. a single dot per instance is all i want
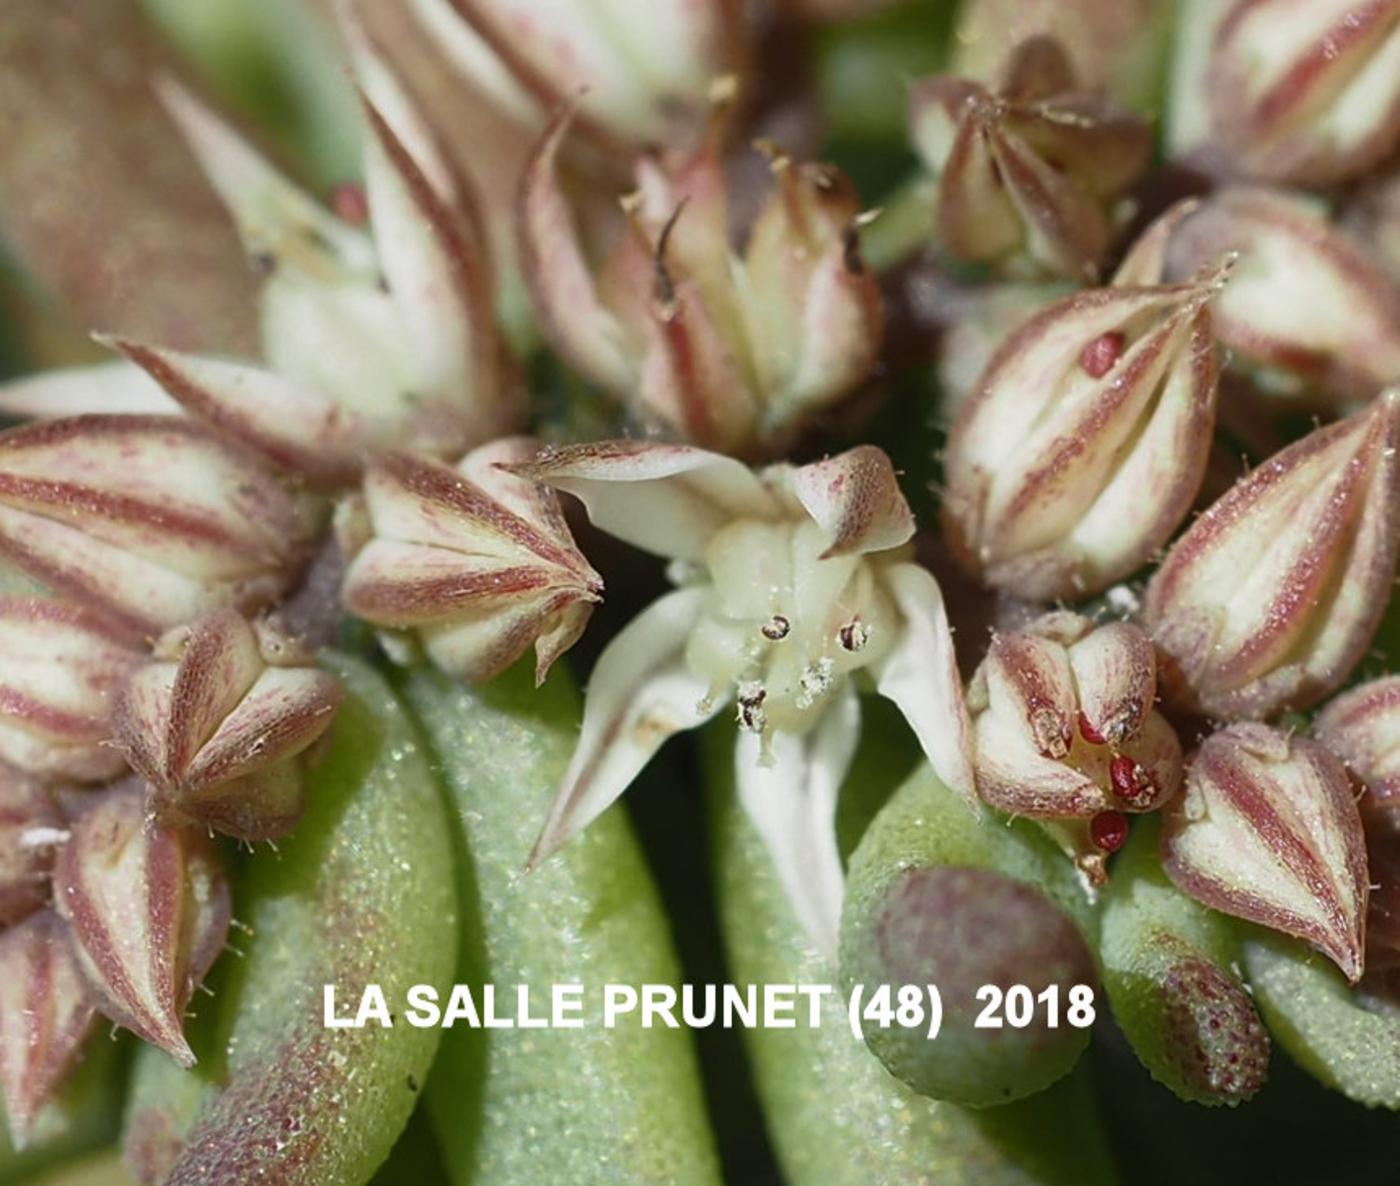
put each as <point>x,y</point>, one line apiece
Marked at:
<point>1065,729</point>
<point>1307,307</point>
<point>46,1011</point>
<point>732,352</point>
<point>31,827</point>
<point>217,722</point>
<point>477,561</point>
<point>1306,91</point>
<point>1267,830</point>
<point>1082,446</point>
<point>1271,597</point>
<point>149,910</point>
<point>1030,169</point>
<point>62,664</point>
<point>151,520</point>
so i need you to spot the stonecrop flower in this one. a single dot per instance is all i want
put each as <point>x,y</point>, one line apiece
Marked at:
<point>1268,830</point>
<point>375,334</point>
<point>1027,171</point>
<point>1307,93</point>
<point>1065,731</point>
<point>791,580</point>
<point>479,564</point>
<point>736,352</point>
<point>1274,593</point>
<point>1082,446</point>
<point>216,722</point>
<point>1309,311</point>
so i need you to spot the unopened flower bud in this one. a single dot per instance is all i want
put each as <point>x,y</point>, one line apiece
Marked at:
<point>46,1012</point>
<point>478,562</point>
<point>1306,93</point>
<point>31,827</point>
<point>1271,597</point>
<point>1064,729</point>
<point>1362,727</point>
<point>1030,169</point>
<point>217,722</point>
<point>151,520</point>
<point>149,910</point>
<point>734,352</point>
<point>62,664</point>
<point>1307,307</point>
<point>1267,830</point>
<point>1082,446</point>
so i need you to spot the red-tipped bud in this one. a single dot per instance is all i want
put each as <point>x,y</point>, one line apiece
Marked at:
<point>1031,169</point>
<point>217,722</point>
<point>46,1011</point>
<point>31,827</point>
<point>1065,729</point>
<point>153,520</point>
<point>62,664</point>
<point>477,561</point>
<point>149,910</point>
<point>1268,830</point>
<point>1083,444</point>
<point>1272,596</point>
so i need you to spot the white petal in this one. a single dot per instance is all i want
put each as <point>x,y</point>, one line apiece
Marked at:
<point>665,499</point>
<point>78,391</point>
<point>641,692</point>
<point>792,803</point>
<point>921,677</point>
<point>855,498</point>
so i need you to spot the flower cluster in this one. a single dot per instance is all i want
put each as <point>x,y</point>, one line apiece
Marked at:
<point>180,530</point>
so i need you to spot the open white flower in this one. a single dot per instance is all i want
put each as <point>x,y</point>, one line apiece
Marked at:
<point>791,580</point>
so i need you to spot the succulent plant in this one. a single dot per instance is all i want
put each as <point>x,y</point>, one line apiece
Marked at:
<point>897,529</point>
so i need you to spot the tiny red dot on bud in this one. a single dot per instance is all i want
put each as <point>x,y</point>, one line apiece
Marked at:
<point>1131,783</point>
<point>350,204</point>
<point>1098,357</point>
<point>1109,830</point>
<point>1088,732</point>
